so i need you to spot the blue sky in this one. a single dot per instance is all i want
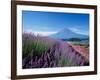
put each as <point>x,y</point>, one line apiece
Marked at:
<point>52,22</point>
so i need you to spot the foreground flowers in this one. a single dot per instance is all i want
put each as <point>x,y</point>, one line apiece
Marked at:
<point>44,52</point>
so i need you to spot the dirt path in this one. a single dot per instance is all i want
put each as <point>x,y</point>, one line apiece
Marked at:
<point>83,51</point>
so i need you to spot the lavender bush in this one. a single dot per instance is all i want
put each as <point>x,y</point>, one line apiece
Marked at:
<point>44,52</point>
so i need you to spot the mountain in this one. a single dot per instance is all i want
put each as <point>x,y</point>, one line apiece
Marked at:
<point>67,34</point>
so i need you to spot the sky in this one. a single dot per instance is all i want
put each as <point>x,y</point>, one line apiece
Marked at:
<point>47,23</point>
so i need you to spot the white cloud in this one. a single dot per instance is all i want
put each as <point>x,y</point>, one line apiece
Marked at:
<point>44,33</point>
<point>79,31</point>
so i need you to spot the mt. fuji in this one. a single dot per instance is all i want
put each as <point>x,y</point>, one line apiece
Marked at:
<point>67,34</point>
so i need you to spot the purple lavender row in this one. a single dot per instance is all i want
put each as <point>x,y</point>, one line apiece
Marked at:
<point>58,54</point>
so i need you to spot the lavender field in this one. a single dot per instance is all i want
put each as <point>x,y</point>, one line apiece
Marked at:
<point>45,52</point>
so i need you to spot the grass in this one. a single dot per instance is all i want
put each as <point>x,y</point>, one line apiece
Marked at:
<point>38,45</point>
<point>66,62</point>
<point>86,45</point>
